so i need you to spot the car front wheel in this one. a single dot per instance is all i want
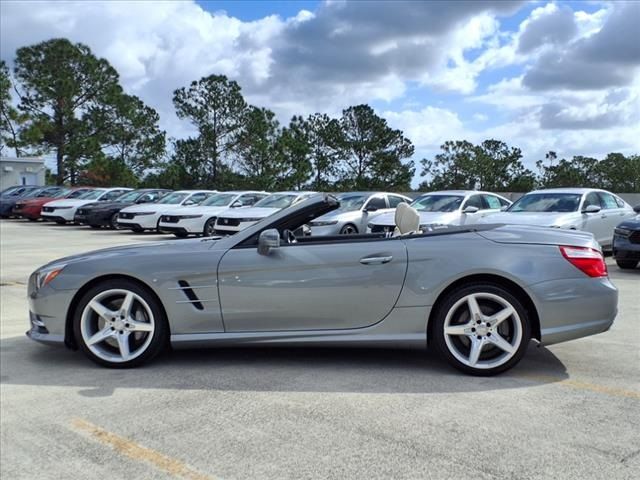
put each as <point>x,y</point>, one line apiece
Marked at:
<point>120,324</point>
<point>481,329</point>
<point>209,227</point>
<point>348,229</point>
<point>627,264</point>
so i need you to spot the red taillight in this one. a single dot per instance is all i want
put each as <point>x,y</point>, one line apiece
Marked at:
<point>589,260</point>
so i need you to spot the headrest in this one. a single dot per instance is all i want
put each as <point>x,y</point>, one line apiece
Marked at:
<point>407,219</point>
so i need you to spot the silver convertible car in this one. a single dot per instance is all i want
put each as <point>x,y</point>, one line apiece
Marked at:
<point>477,294</point>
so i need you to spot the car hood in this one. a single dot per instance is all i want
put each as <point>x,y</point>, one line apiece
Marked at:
<point>631,223</point>
<point>151,207</point>
<point>70,202</point>
<point>426,218</point>
<point>107,205</point>
<point>199,210</point>
<point>340,216</point>
<point>545,219</point>
<point>251,212</point>
<point>160,248</point>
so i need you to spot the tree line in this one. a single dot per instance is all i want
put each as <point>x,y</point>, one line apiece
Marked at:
<point>70,104</point>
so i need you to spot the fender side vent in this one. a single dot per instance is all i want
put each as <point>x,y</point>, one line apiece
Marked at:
<point>190,294</point>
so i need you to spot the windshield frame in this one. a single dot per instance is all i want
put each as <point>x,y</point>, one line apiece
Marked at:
<point>275,197</point>
<point>458,198</point>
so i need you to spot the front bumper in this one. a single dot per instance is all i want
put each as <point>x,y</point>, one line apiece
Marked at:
<point>145,222</point>
<point>574,308</point>
<point>184,225</point>
<point>47,314</point>
<point>179,230</point>
<point>65,214</point>
<point>222,229</point>
<point>626,248</point>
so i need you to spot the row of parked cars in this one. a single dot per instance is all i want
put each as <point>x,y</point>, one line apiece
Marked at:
<point>612,221</point>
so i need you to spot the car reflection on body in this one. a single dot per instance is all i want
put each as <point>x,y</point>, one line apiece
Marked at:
<point>356,210</point>
<point>447,207</point>
<point>232,221</point>
<point>588,209</point>
<point>487,291</point>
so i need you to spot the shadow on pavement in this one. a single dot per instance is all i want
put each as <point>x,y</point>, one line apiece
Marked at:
<point>267,370</point>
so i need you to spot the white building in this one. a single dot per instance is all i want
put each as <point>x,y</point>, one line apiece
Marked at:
<point>21,171</point>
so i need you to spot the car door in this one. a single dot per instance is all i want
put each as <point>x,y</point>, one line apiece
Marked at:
<point>311,286</point>
<point>492,204</point>
<point>595,222</point>
<point>471,218</point>
<point>611,216</point>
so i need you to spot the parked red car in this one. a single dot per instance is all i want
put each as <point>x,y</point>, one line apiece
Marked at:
<point>31,208</point>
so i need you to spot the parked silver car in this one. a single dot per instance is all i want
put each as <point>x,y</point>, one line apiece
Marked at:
<point>447,207</point>
<point>588,209</point>
<point>356,210</point>
<point>477,294</point>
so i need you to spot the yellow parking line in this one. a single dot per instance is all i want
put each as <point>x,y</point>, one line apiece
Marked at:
<point>592,387</point>
<point>136,451</point>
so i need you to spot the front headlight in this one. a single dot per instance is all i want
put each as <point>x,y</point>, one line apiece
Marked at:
<point>241,220</point>
<point>141,214</point>
<point>184,217</point>
<point>46,275</point>
<point>323,224</point>
<point>61,208</point>
<point>623,232</point>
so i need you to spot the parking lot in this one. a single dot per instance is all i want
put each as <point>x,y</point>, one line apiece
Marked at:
<point>568,411</point>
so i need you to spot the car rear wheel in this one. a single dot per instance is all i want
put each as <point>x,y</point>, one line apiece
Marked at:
<point>482,329</point>
<point>627,264</point>
<point>120,324</point>
<point>209,228</point>
<point>348,229</point>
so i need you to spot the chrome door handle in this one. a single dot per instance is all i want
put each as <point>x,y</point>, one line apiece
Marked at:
<point>375,260</point>
<point>603,216</point>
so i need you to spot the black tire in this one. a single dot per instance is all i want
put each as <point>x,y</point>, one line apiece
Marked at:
<point>113,222</point>
<point>209,228</point>
<point>489,289</point>
<point>349,229</point>
<point>627,264</point>
<point>160,335</point>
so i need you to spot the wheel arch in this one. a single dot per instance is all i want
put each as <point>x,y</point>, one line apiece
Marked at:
<point>69,337</point>
<point>504,282</point>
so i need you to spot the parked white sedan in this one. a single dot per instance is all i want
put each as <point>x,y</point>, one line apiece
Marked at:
<point>233,220</point>
<point>63,211</point>
<point>147,216</point>
<point>588,209</point>
<point>447,207</point>
<point>201,220</point>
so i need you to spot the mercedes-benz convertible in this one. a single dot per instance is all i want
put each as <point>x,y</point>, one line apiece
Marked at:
<point>477,294</point>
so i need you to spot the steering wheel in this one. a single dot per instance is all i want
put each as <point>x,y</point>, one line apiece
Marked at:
<point>289,236</point>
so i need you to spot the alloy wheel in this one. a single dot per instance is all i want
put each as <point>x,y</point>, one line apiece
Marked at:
<point>483,330</point>
<point>349,230</point>
<point>117,325</point>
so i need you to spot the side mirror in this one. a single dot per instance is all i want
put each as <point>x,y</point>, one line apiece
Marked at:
<point>144,199</point>
<point>188,203</point>
<point>591,209</point>
<point>470,209</point>
<point>636,209</point>
<point>371,208</point>
<point>504,208</point>
<point>237,204</point>
<point>269,240</point>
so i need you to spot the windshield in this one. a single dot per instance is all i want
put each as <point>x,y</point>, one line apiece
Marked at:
<point>437,203</point>
<point>546,202</point>
<point>219,200</point>
<point>78,193</point>
<point>62,193</point>
<point>276,201</point>
<point>91,195</point>
<point>129,197</point>
<point>350,202</point>
<point>174,198</point>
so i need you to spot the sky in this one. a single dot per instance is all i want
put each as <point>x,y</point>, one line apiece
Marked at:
<point>561,76</point>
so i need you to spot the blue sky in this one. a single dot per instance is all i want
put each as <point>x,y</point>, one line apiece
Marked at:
<point>541,76</point>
